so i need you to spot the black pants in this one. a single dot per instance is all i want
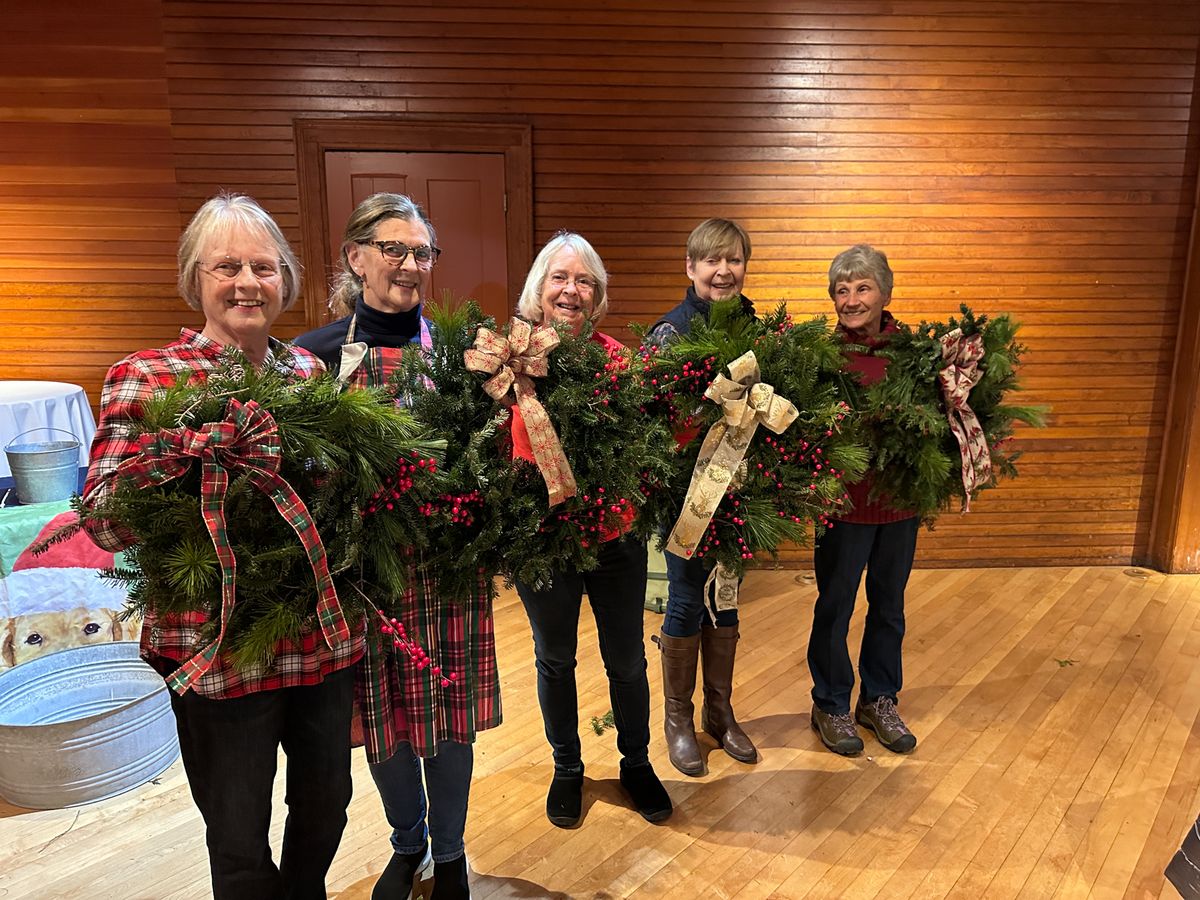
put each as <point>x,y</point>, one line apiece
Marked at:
<point>841,554</point>
<point>230,749</point>
<point>617,592</point>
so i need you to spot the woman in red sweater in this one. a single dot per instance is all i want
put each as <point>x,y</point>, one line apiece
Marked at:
<point>873,535</point>
<point>567,285</point>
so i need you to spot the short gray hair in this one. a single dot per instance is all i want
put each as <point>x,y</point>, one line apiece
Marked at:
<point>220,215</point>
<point>530,304</point>
<point>360,227</point>
<point>861,261</point>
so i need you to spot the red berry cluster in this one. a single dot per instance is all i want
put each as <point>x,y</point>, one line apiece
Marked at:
<point>461,507</point>
<point>394,628</point>
<point>400,482</point>
<point>692,380</point>
<point>592,515</point>
<point>608,381</point>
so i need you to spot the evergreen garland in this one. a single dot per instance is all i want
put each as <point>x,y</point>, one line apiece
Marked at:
<point>338,447</point>
<point>789,481</point>
<point>489,513</point>
<point>915,458</point>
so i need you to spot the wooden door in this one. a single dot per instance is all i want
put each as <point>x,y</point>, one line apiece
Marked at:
<point>464,194</point>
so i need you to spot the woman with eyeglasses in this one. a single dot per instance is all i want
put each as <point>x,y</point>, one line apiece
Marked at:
<point>567,286</point>
<point>236,268</point>
<point>418,732</point>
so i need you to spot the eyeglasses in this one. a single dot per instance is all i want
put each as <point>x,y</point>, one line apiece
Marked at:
<point>582,283</point>
<point>396,253</point>
<point>230,270</point>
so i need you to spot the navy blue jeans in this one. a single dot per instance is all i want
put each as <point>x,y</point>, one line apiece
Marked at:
<point>447,778</point>
<point>616,590</point>
<point>840,556</point>
<point>685,597</point>
<point>230,749</point>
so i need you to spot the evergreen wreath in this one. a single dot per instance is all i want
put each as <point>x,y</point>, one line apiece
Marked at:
<point>488,513</point>
<point>788,482</point>
<point>915,458</point>
<point>337,448</point>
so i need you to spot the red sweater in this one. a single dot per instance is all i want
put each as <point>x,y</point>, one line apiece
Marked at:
<point>870,369</point>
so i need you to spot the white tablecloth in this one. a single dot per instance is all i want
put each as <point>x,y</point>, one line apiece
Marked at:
<point>39,404</point>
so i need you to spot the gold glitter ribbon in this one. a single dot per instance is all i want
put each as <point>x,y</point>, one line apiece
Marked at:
<point>746,402</point>
<point>513,362</point>
<point>961,374</point>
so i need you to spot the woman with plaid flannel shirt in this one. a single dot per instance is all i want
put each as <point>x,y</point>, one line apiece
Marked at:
<point>235,266</point>
<point>418,731</point>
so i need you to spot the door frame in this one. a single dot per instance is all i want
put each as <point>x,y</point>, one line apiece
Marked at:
<point>404,135</point>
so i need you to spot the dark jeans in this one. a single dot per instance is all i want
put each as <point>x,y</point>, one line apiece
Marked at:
<point>447,778</point>
<point>685,597</point>
<point>841,554</point>
<point>617,592</point>
<point>230,749</point>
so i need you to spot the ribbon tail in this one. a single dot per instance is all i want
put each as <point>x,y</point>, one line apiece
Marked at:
<point>720,592</point>
<point>183,678</point>
<point>329,609</point>
<point>547,449</point>
<point>711,477</point>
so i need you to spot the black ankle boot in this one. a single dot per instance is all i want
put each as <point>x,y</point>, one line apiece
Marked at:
<point>649,796</point>
<point>450,880</point>
<point>564,802</point>
<point>396,881</point>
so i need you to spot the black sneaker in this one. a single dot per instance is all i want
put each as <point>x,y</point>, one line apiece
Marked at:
<point>837,732</point>
<point>649,796</point>
<point>882,717</point>
<point>450,880</point>
<point>564,802</point>
<point>402,872</point>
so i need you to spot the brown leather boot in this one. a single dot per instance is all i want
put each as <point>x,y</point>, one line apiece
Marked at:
<point>718,647</point>
<point>679,656</point>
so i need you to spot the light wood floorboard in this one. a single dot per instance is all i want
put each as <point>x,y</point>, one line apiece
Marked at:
<point>1057,711</point>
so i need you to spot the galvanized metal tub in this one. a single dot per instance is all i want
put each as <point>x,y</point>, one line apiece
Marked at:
<point>43,471</point>
<point>83,724</point>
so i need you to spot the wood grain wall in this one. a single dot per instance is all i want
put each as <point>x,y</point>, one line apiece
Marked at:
<point>1037,158</point>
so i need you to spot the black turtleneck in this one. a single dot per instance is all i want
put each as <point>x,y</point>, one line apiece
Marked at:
<point>372,327</point>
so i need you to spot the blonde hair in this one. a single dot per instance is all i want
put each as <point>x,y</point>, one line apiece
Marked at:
<point>529,306</point>
<point>220,216</point>
<point>717,237</point>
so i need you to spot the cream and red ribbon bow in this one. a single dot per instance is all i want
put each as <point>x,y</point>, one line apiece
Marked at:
<point>961,374</point>
<point>246,440</point>
<point>746,402</point>
<point>513,362</point>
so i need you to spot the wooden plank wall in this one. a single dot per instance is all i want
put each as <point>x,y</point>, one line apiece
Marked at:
<point>1037,158</point>
<point>88,210</point>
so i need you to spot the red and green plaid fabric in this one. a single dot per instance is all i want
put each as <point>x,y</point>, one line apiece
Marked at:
<point>397,701</point>
<point>247,440</point>
<point>171,640</point>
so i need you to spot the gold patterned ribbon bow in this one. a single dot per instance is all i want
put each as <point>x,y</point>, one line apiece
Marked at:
<point>746,402</point>
<point>513,362</point>
<point>961,374</point>
<point>247,440</point>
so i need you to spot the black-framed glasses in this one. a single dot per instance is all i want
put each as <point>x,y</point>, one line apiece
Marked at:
<point>424,255</point>
<point>230,269</point>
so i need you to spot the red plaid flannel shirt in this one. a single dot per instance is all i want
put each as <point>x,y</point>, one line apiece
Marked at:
<point>169,641</point>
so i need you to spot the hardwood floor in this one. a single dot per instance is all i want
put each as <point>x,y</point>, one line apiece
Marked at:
<point>1059,755</point>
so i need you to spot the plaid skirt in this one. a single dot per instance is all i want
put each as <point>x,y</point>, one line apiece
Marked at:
<point>399,701</point>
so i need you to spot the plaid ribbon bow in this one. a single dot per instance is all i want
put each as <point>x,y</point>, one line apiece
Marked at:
<point>961,374</point>
<point>513,362</point>
<point>247,440</point>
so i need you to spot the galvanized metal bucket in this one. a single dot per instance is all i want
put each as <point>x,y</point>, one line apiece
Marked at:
<point>43,471</point>
<point>83,724</point>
